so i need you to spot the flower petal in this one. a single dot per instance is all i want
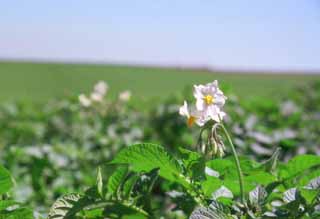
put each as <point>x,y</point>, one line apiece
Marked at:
<point>200,104</point>
<point>183,110</point>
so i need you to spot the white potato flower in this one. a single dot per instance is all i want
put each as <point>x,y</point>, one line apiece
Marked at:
<point>101,88</point>
<point>84,100</point>
<point>193,115</point>
<point>96,97</point>
<point>210,100</point>
<point>125,96</point>
<point>99,91</point>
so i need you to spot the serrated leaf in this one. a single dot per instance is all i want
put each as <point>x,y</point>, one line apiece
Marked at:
<point>6,182</point>
<point>67,206</point>
<point>214,211</point>
<point>222,192</point>
<point>314,184</point>
<point>257,196</point>
<point>116,179</point>
<point>145,157</point>
<point>290,195</point>
<point>129,185</point>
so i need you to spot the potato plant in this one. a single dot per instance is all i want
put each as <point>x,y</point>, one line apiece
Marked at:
<point>210,182</point>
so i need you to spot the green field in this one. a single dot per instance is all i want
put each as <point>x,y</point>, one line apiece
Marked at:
<point>38,82</point>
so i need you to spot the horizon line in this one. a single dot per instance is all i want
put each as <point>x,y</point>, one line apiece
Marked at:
<point>203,68</point>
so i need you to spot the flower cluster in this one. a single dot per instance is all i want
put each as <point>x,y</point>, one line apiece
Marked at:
<point>209,103</point>
<point>97,95</point>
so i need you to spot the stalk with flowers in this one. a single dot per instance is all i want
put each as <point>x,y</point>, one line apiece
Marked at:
<point>202,184</point>
<point>208,114</point>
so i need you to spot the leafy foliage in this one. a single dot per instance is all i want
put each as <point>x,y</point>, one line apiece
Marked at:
<point>10,209</point>
<point>145,157</point>
<point>53,149</point>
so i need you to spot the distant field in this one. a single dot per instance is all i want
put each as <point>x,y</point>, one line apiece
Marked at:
<point>41,81</point>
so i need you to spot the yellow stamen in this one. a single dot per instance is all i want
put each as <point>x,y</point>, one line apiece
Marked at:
<point>208,99</point>
<point>191,120</point>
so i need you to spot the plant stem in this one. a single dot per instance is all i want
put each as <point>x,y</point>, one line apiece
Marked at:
<point>103,203</point>
<point>236,158</point>
<point>192,191</point>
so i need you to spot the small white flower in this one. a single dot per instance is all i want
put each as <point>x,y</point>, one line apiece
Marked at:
<point>96,97</point>
<point>99,91</point>
<point>84,100</point>
<point>125,96</point>
<point>193,116</point>
<point>210,100</point>
<point>100,88</point>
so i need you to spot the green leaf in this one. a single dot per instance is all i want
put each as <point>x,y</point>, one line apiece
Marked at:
<point>129,185</point>
<point>4,204</point>
<point>99,182</point>
<point>68,206</point>
<point>145,157</point>
<point>194,163</point>
<point>116,179</point>
<point>291,195</point>
<point>314,183</point>
<point>123,210</point>
<point>259,178</point>
<point>6,182</point>
<point>227,167</point>
<point>298,165</point>
<point>250,182</point>
<point>19,213</point>
<point>210,185</point>
<point>222,166</point>
<point>305,177</point>
<point>214,211</point>
<point>253,174</point>
<point>258,196</point>
<point>309,195</point>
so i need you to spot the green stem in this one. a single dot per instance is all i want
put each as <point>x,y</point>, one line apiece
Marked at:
<point>236,158</point>
<point>103,203</point>
<point>192,191</point>
<point>199,142</point>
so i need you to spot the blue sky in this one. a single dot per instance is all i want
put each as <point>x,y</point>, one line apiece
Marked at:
<point>264,34</point>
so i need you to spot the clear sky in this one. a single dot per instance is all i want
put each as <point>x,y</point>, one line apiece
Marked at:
<point>263,34</point>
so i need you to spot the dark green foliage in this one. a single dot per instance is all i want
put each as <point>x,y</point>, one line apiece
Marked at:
<point>54,149</point>
<point>10,209</point>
